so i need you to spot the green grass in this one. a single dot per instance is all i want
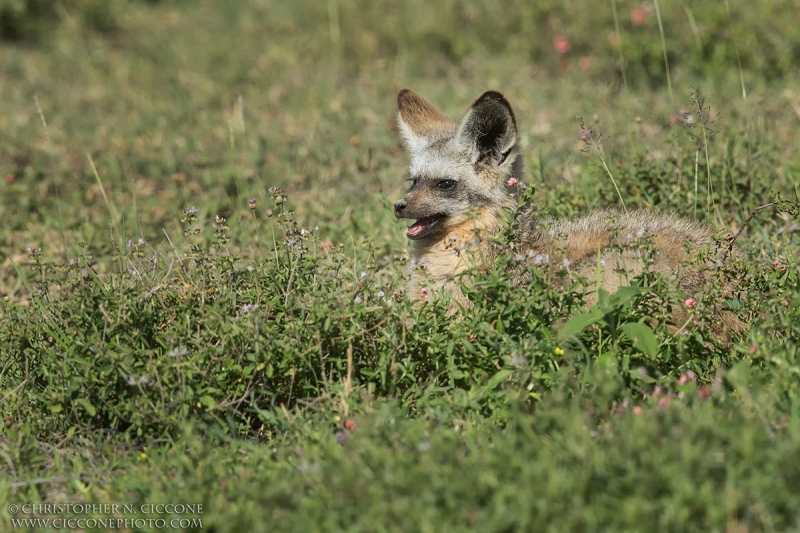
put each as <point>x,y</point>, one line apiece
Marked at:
<point>203,282</point>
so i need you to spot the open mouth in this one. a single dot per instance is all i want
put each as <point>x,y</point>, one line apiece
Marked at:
<point>424,227</point>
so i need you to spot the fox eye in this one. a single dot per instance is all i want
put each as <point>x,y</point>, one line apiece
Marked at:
<point>446,184</point>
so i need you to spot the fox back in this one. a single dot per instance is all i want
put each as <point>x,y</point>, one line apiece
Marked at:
<point>464,180</point>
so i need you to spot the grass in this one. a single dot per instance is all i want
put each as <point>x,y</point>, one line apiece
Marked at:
<point>203,281</point>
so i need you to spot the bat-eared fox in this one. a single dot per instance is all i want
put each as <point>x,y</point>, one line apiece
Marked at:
<point>465,179</point>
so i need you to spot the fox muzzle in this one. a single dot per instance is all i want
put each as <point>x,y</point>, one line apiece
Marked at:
<point>400,206</point>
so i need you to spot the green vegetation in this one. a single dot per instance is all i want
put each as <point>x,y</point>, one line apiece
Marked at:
<point>203,282</point>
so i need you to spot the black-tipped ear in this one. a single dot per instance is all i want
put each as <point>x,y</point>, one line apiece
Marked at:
<point>489,128</point>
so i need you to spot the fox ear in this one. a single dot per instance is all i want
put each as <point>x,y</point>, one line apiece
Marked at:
<point>419,120</point>
<point>489,129</point>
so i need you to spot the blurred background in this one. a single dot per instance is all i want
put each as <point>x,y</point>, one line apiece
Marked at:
<point>209,103</point>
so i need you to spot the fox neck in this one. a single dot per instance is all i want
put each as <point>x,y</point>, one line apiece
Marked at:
<point>436,260</point>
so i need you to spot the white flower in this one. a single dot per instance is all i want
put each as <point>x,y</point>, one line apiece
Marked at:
<point>517,360</point>
<point>539,258</point>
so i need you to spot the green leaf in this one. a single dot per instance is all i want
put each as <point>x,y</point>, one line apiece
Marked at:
<point>498,378</point>
<point>450,349</point>
<point>88,407</point>
<point>625,294</point>
<point>603,297</point>
<point>457,374</point>
<point>642,337</point>
<point>580,322</point>
<point>55,408</point>
<point>206,400</point>
<point>734,304</point>
<point>739,375</point>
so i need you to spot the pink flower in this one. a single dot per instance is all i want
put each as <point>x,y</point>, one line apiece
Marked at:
<point>637,410</point>
<point>585,63</point>
<point>690,302</point>
<point>703,393</point>
<point>349,424</point>
<point>637,16</point>
<point>424,293</point>
<point>561,44</point>
<point>512,181</point>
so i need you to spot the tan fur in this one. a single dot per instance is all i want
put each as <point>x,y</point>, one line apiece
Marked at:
<point>475,209</point>
<point>439,262</point>
<point>422,118</point>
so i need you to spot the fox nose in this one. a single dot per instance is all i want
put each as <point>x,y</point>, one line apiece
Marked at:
<point>400,206</point>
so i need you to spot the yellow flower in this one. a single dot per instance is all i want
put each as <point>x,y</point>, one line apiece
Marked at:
<point>559,352</point>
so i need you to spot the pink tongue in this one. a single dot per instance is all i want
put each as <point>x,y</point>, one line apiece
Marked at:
<point>416,228</point>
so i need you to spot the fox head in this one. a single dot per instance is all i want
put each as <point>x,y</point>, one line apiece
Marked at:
<point>456,168</point>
